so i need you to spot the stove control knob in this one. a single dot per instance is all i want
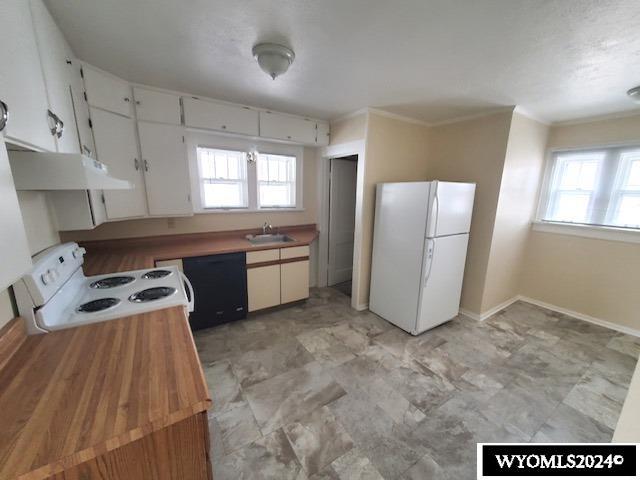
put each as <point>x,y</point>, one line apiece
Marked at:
<point>79,252</point>
<point>48,277</point>
<point>54,274</point>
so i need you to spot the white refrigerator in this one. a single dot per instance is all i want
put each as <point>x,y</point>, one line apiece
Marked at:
<point>421,232</point>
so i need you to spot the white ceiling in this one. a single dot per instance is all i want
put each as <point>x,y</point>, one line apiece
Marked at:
<point>432,60</point>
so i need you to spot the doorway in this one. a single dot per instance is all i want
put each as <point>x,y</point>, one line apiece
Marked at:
<point>342,212</point>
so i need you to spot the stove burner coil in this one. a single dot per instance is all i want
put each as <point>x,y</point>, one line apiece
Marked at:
<point>154,274</point>
<point>98,305</point>
<point>111,282</point>
<point>151,294</point>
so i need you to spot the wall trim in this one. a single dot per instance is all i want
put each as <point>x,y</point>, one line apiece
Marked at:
<point>473,116</point>
<point>362,306</point>
<point>582,316</point>
<point>483,316</point>
<point>588,231</point>
<point>634,112</point>
<point>397,116</point>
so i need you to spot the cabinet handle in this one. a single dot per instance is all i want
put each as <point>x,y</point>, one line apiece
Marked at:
<point>136,163</point>
<point>56,123</point>
<point>146,165</point>
<point>59,128</point>
<point>126,99</point>
<point>4,115</point>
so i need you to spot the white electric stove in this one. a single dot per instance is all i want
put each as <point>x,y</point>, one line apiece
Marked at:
<point>56,294</point>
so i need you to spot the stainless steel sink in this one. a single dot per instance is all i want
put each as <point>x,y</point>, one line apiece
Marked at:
<point>269,238</point>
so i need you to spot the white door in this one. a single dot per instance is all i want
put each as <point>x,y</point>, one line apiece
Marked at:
<point>116,146</point>
<point>16,259</point>
<point>21,80</point>
<point>342,211</point>
<point>166,170</point>
<point>450,208</point>
<point>107,91</point>
<point>154,106</point>
<point>442,273</point>
<point>57,73</point>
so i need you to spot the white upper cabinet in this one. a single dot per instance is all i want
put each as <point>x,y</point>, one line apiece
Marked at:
<point>322,133</point>
<point>219,116</point>
<point>81,109</point>
<point>22,86</point>
<point>57,68</point>
<point>107,92</point>
<point>166,171</point>
<point>16,259</point>
<point>287,127</point>
<point>116,146</point>
<point>154,106</point>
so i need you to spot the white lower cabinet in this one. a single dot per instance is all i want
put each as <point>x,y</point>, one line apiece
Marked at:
<point>263,287</point>
<point>166,171</point>
<point>294,281</point>
<point>117,147</point>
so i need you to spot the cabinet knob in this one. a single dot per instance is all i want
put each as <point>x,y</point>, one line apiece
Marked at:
<point>126,99</point>
<point>289,137</point>
<point>136,164</point>
<point>4,115</point>
<point>146,165</point>
<point>138,102</point>
<point>224,127</point>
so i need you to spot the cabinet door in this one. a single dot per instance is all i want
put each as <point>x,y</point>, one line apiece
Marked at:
<point>81,110</point>
<point>294,278</point>
<point>16,259</point>
<point>166,170</point>
<point>155,106</point>
<point>22,85</point>
<point>219,116</point>
<point>56,66</point>
<point>116,147</point>
<point>287,127</point>
<point>263,287</point>
<point>106,91</point>
<point>322,133</point>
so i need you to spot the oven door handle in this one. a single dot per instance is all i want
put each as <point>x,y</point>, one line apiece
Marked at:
<point>192,298</point>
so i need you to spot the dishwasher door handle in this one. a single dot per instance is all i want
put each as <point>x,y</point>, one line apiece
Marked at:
<point>192,297</point>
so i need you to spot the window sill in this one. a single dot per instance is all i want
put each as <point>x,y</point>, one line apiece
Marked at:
<point>589,231</point>
<point>247,210</point>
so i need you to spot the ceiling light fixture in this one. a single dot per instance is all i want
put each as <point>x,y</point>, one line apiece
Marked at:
<point>273,59</point>
<point>634,94</point>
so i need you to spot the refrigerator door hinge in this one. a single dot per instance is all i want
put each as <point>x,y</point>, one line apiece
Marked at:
<point>102,198</point>
<point>86,99</point>
<point>90,124</point>
<point>81,72</point>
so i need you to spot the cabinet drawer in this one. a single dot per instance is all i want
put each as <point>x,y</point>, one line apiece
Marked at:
<point>294,281</point>
<point>263,287</point>
<point>219,116</point>
<point>286,127</point>
<point>294,252</point>
<point>263,256</point>
<point>155,106</point>
<point>169,263</point>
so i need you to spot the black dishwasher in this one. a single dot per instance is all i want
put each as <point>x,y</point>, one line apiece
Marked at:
<point>220,288</point>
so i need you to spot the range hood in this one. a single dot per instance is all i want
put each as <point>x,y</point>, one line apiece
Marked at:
<point>61,171</point>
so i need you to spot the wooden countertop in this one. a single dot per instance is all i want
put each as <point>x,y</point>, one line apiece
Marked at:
<point>71,395</point>
<point>107,256</point>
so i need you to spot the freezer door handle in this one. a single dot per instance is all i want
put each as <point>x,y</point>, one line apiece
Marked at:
<point>431,244</point>
<point>435,211</point>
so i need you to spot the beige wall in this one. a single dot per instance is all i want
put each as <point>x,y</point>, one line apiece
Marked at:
<point>598,278</point>
<point>348,129</point>
<point>517,201</point>
<point>473,151</point>
<point>38,221</point>
<point>395,151</point>
<point>213,222</point>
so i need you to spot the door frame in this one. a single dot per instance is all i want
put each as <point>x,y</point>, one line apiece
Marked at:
<point>326,154</point>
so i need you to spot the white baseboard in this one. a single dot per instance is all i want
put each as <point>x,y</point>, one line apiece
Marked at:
<point>582,316</point>
<point>362,306</point>
<point>483,316</point>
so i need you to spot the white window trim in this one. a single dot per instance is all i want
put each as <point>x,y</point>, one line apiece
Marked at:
<point>202,139</point>
<point>629,235</point>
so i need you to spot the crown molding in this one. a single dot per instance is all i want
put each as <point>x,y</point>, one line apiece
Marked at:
<point>598,118</point>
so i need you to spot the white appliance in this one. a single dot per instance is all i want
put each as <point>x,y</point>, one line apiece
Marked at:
<point>420,241</point>
<point>55,294</point>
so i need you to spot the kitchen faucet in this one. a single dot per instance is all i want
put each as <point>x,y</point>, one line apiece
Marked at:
<point>267,226</point>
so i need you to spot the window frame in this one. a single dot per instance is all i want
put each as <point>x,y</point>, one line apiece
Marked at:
<point>244,182</point>
<point>275,207</point>
<point>210,140</point>
<point>602,193</point>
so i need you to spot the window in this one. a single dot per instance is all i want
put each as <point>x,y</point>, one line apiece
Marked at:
<point>595,187</point>
<point>276,181</point>
<point>223,178</point>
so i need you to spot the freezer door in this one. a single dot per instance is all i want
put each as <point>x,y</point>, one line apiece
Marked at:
<point>450,207</point>
<point>398,244</point>
<point>442,273</point>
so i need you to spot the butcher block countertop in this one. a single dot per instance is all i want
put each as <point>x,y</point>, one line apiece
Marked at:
<point>69,396</point>
<point>107,256</point>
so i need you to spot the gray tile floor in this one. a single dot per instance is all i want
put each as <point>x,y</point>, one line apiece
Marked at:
<point>320,391</point>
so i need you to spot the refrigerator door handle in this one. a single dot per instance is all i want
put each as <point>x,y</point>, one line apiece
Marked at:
<point>431,244</point>
<point>435,211</point>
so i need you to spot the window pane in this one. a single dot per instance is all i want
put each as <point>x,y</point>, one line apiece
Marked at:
<point>571,207</point>
<point>579,174</point>
<point>628,211</point>
<point>222,164</point>
<point>223,195</point>
<point>274,195</point>
<point>276,180</point>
